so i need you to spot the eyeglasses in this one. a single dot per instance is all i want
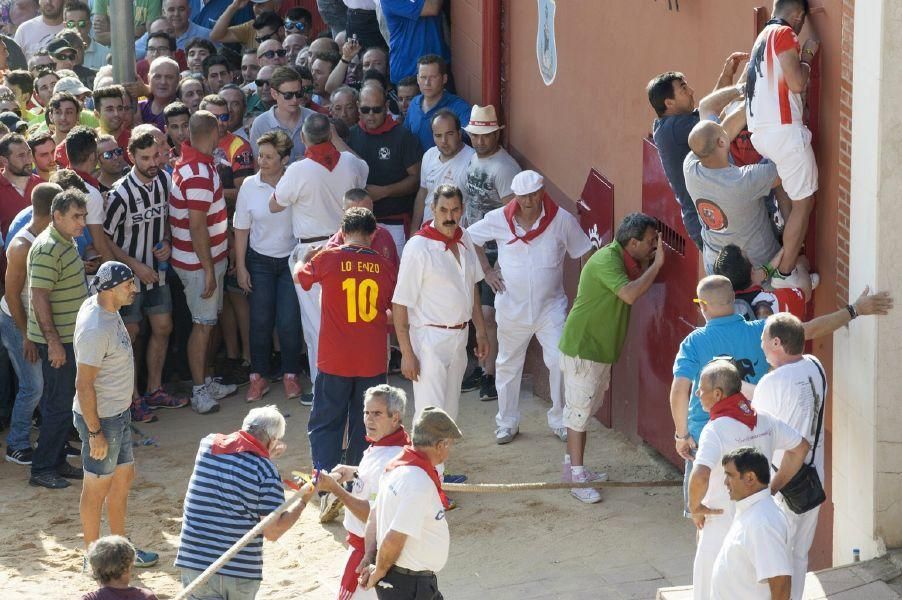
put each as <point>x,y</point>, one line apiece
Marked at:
<point>261,82</point>
<point>700,302</point>
<point>157,49</point>
<point>224,117</point>
<point>79,23</point>
<point>68,55</point>
<point>262,38</point>
<point>273,53</point>
<point>299,25</point>
<point>365,110</point>
<point>109,154</point>
<point>290,95</point>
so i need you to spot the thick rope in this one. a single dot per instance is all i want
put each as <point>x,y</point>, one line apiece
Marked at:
<point>544,485</point>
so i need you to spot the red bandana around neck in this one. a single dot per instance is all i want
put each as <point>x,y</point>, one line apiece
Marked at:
<point>240,441</point>
<point>88,178</point>
<point>398,438</point>
<point>633,269</point>
<point>431,233</point>
<point>409,457</point>
<point>736,407</point>
<point>511,209</point>
<point>325,154</point>
<point>387,126</point>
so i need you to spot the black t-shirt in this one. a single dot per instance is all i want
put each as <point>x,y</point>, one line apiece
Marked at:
<point>388,155</point>
<point>671,135</point>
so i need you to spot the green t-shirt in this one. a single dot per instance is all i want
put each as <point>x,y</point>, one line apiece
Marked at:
<point>597,323</point>
<point>54,264</point>
<point>146,11</point>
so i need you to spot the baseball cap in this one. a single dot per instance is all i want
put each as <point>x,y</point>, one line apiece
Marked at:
<point>12,121</point>
<point>526,182</point>
<point>437,424</point>
<point>72,85</point>
<point>57,45</point>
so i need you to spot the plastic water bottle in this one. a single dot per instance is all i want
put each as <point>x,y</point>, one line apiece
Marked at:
<point>162,265</point>
<point>856,555</point>
<point>566,473</point>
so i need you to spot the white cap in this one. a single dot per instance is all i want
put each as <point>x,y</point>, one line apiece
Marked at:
<point>527,182</point>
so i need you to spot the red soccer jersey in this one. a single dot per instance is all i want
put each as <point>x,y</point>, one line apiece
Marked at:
<point>357,287</point>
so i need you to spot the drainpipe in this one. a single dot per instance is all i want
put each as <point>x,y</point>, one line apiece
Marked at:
<point>491,54</point>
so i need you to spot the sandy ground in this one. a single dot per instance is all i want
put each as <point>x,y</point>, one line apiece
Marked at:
<point>503,546</point>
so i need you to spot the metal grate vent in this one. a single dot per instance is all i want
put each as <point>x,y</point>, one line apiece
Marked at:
<point>674,240</point>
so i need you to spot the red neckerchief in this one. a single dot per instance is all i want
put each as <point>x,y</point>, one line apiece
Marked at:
<point>431,233</point>
<point>240,441</point>
<point>325,154</point>
<point>736,407</point>
<point>190,154</point>
<point>409,457</point>
<point>749,290</point>
<point>398,438</point>
<point>633,269</point>
<point>387,126</point>
<point>349,579</point>
<point>88,178</point>
<point>511,209</point>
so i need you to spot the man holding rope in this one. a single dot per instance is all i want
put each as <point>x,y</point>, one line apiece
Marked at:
<point>383,411</point>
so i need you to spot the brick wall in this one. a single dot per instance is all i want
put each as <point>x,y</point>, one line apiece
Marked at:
<point>843,204</point>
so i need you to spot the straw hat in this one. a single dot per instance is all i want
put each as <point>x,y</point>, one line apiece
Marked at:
<point>483,120</point>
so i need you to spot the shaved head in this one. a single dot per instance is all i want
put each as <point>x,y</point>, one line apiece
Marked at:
<point>722,375</point>
<point>716,290</point>
<point>703,138</point>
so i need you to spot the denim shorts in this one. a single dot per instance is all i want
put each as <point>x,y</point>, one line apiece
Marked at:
<point>118,434</point>
<point>155,301</point>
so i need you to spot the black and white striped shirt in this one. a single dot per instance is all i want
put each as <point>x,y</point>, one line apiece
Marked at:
<point>136,216</point>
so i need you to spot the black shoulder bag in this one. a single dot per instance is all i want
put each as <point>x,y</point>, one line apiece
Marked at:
<point>805,490</point>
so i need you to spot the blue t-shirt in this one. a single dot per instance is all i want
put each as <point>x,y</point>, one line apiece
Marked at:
<point>732,336</point>
<point>420,123</point>
<point>411,36</point>
<point>671,135</point>
<point>207,14</point>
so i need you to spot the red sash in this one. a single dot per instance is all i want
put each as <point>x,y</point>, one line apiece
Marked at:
<point>633,269</point>
<point>410,457</point>
<point>387,126</point>
<point>511,209</point>
<point>736,407</point>
<point>430,232</point>
<point>349,578</point>
<point>240,441</point>
<point>398,438</point>
<point>325,154</point>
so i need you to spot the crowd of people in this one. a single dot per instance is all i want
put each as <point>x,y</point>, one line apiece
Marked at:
<point>265,203</point>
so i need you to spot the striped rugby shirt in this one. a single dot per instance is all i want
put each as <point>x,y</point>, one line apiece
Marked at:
<point>227,495</point>
<point>196,186</point>
<point>54,264</point>
<point>137,215</point>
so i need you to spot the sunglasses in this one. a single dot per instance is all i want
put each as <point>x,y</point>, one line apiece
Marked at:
<point>68,55</point>
<point>699,301</point>
<point>299,25</point>
<point>291,95</point>
<point>224,118</point>
<point>273,53</point>
<point>365,110</point>
<point>261,82</point>
<point>263,38</point>
<point>109,154</point>
<point>79,23</point>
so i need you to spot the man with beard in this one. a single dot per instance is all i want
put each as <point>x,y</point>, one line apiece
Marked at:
<point>42,148</point>
<point>16,183</point>
<point>164,78</point>
<point>33,34</point>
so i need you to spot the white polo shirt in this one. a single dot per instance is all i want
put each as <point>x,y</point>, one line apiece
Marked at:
<point>724,435</point>
<point>270,233</point>
<point>315,193</point>
<point>755,549</point>
<point>533,273</point>
<point>433,285</point>
<point>786,393</point>
<point>409,503</point>
<point>366,485</point>
<point>435,172</point>
<point>96,208</point>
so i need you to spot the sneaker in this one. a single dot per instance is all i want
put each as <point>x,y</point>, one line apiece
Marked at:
<point>394,361</point>
<point>275,367</point>
<point>235,372</point>
<point>487,389</point>
<point>219,389</point>
<point>454,478</point>
<point>49,480</point>
<point>202,401</point>
<point>561,433</point>
<point>585,495</point>
<point>160,399</point>
<point>69,472</point>
<point>594,475</point>
<point>141,412</point>
<point>505,435</point>
<point>793,280</point>
<point>21,456</point>
<point>259,387</point>
<point>329,507</point>
<point>306,399</point>
<point>473,382</point>
<point>144,559</point>
<point>292,386</point>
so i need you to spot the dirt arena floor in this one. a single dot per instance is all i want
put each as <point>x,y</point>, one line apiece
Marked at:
<point>503,546</point>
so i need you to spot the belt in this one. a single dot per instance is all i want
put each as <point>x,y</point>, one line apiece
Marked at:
<point>361,11</point>
<point>403,571</point>
<point>321,238</point>
<point>458,326</point>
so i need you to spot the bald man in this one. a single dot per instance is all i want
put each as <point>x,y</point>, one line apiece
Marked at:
<point>730,200</point>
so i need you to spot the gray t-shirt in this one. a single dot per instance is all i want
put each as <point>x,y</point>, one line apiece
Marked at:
<point>488,181</point>
<point>101,340</point>
<point>731,205</point>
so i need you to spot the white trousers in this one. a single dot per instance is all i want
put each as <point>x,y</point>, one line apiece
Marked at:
<point>801,535</point>
<point>443,360</point>
<point>710,540</point>
<point>513,341</point>
<point>360,593</point>
<point>311,308</point>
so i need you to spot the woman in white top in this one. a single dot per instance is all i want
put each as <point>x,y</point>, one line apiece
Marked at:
<point>263,242</point>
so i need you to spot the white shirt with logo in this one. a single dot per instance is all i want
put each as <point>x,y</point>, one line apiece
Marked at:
<point>434,172</point>
<point>366,485</point>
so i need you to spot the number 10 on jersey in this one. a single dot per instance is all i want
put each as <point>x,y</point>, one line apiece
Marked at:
<point>362,299</point>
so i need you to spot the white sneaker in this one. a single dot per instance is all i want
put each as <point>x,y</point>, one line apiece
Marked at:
<point>202,401</point>
<point>505,435</point>
<point>793,280</point>
<point>585,495</point>
<point>594,475</point>
<point>219,390</point>
<point>561,433</point>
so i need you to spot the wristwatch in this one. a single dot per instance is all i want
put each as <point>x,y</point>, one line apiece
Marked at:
<point>94,434</point>
<point>681,438</point>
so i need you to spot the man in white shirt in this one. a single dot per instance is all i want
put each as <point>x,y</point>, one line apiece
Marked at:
<point>313,188</point>
<point>444,163</point>
<point>734,424</point>
<point>794,392</point>
<point>81,149</point>
<point>383,413</point>
<point>411,532</point>
<point>754,562</point>
<point>34,33</point>
<point>434,300</point>
<point>533,237</point>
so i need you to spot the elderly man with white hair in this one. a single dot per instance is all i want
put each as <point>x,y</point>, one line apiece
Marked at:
<point>234,485</point>
<point>533,237</point>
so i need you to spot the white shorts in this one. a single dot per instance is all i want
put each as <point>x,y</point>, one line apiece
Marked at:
<point>789,147</point>
<point>585,383</point>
